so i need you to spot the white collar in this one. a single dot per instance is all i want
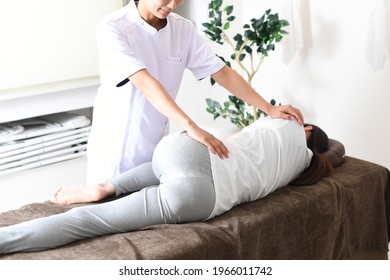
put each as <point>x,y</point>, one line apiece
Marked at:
<point>141,23</point>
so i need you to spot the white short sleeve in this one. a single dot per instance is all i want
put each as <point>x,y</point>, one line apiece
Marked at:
<point>117,58</point>
<point>202,60</point>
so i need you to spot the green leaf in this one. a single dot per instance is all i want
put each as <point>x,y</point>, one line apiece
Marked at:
<point>261,20</point>
<point>228,9</point>
<point>278,37</point>
<point>209,102</point>
<point>226,26</point>
<point>232,112</point>
<point>208,33</point>
<point>237,37</point>
<point>210,110</point>
<point>284,22</point>
<point>227,104</point>
<point>238,45</point>
<point>248,49</point>
<point>231,18</point>
<point>270,47</point>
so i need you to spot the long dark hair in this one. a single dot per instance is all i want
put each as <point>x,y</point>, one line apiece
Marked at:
<point>320,165</point>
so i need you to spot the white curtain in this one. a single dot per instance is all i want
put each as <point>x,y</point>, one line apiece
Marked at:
<point>299,39</point>
<point>378,34</point>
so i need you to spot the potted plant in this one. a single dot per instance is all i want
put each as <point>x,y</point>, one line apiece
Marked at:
<point>249,49</point>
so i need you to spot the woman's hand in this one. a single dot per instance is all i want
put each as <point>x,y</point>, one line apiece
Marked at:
<point>213,144</point>
<point>286,112</point>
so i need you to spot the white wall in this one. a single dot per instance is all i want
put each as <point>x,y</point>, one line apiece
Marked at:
<point>331,82</point>
<point>45,41</point>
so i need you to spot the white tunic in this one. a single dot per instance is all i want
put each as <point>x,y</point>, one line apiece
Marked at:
<point>264,156</point>
<point>126,127</point>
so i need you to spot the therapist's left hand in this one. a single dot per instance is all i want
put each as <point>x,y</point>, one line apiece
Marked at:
<point>286,112</point>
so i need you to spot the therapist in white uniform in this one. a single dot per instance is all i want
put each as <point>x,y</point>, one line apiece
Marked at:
<point>144,49</point>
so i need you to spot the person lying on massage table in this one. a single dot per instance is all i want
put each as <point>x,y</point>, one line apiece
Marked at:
<point>184,183</point>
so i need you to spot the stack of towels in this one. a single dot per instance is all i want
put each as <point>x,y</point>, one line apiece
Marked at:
<point>40,141</point>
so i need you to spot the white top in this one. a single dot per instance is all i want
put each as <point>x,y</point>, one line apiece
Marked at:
<point>264,156</point>
<point>126,127</point>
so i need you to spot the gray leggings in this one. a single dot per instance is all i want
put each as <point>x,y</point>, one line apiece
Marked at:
<point>176,187</point>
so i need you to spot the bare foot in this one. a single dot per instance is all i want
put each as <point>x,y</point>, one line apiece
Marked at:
<point>81,194</point>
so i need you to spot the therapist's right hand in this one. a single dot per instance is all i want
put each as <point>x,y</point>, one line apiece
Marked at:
<point>215,145</point>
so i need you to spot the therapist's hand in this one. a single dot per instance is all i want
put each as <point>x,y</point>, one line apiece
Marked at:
<point>213,144</point>
<point>286,112</point>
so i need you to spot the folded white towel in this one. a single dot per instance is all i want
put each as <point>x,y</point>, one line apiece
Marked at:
<point>44,125</point>
<point>8,129</point>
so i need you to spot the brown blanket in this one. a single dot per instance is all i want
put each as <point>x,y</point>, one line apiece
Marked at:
<point>343,216</point>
